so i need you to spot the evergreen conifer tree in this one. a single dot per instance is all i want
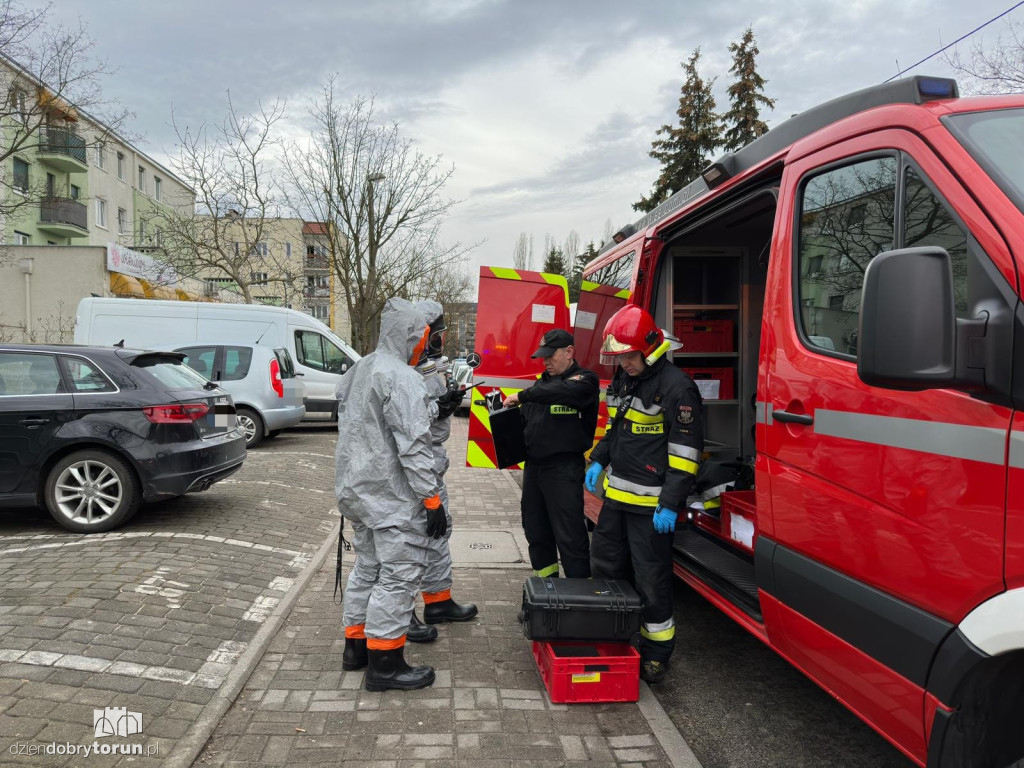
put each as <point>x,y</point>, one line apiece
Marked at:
<point>575,270</point>
<point>746,95</point>
<point>554,263</point>
<point>685,149</point>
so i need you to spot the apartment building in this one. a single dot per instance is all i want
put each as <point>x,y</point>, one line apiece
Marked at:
<point>71,180</point>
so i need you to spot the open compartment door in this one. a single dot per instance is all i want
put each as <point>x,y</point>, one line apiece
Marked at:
<point>515,308</point>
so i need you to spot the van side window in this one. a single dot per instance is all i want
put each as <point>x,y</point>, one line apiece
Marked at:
<point>927,221</point>
<point>236,363</point>
<point>317,352</point>
<point>200,359</point>
<point>847,218</point>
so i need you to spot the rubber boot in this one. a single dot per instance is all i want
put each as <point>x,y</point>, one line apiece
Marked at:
<point>419,632</point>
<point>448,610</point>
<point>355,654</point>
<point>387,669</point>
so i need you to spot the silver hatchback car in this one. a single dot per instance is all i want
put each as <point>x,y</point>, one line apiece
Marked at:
<point>268,397</point>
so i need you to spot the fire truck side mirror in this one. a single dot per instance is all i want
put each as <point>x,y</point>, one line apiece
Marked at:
<point>908,328</point>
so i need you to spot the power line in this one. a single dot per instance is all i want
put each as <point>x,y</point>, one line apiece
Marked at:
<point>959,39</point>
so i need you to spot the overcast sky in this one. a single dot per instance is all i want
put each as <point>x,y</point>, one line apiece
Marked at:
<point>547,109</point>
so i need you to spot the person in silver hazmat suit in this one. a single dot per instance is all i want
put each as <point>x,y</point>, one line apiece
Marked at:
<point>387,490</point>
<point>437,579</point>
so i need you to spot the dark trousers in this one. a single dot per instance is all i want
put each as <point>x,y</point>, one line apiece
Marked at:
<point>553,518</point>
<point>626,546</point>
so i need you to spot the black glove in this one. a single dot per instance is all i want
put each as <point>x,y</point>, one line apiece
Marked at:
<point>437,522</point>
<point>448,403</point>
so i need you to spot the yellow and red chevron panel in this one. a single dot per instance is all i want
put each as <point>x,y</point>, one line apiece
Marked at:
<point>515,308</point>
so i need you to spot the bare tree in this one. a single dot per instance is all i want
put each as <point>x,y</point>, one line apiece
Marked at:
<point>49,80</point>
<point>993,68</point>
<point>229,234</point>
<point>522,256</point>
<point>382,201</point>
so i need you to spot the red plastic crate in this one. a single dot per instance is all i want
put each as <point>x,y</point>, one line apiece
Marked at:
<point>739,518</point>
<point>582,672</point>
<point>705,335</point>
<point>724,377</point>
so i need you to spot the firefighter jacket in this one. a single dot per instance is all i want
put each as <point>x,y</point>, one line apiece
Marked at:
<point>560,415</point>
<point>652,448</point>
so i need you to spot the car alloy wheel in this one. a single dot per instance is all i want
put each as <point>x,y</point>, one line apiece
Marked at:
<point>89,492</point>
<point>251,425</point>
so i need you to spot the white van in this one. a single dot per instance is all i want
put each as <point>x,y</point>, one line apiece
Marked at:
<point>320,356</point>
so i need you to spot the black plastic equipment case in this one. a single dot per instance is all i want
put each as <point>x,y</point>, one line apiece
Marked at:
<point>580,609</point>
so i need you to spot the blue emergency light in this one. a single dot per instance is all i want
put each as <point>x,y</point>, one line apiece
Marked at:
<point>937,88</point>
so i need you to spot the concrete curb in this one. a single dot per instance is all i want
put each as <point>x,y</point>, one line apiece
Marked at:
<point>665,731</point>
<point>189,746</point>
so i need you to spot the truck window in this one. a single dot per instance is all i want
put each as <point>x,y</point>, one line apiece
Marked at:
<point>847,218</point>
<point>993,139</point>
<point>927,221</point>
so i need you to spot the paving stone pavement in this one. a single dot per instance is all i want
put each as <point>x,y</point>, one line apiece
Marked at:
<point>154,616</point>
<point>487,708</point>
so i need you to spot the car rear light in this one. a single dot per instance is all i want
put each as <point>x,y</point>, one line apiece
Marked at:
<point>275,378</point>
<point>176,414</point>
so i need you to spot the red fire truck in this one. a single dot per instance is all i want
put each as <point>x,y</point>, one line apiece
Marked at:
<point>847,292</point>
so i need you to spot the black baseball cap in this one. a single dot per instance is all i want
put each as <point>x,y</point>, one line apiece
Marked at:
<point>556,339</point>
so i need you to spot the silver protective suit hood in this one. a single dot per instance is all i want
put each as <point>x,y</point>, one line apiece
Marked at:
<point>385,462</point>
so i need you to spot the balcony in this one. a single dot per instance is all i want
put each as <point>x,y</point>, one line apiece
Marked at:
<point>316,293</point>
<point>317,264</point>
<point>62,149</point>
<point>63,217</point>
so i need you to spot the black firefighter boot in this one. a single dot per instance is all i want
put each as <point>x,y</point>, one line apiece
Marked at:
<point>419,632</point>
<point>354,656</point>
<point>448,610</point>
<point>387,669</point>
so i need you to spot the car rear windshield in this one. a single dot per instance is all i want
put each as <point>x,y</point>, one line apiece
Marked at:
<point>170,372</point>
<point>284,360</point>
<point>993,139</point>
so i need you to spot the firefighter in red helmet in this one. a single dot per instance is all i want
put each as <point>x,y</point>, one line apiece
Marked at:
<point>650,455</point>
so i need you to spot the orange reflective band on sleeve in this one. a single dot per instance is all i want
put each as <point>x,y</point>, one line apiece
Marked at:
<point>356,632</point>
<point>384,644</point>
<point>437,597</point>
<point>433,502</point>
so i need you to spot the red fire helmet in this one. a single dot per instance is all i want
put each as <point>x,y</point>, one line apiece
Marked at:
<point>631,329</point>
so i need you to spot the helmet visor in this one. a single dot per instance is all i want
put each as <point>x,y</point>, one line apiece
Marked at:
<point>612,348</point>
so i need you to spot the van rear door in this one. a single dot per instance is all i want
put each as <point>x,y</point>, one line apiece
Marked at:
<point>515,309</point>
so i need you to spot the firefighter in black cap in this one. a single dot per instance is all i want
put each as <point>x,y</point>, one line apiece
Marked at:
<point>560,416</point>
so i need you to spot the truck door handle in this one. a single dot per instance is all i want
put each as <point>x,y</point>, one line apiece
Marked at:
<point>792,418</point>
<point>33,423</point>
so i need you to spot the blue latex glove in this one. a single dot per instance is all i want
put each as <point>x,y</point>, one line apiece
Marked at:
<point>593,472</point>
<point>664,520</point>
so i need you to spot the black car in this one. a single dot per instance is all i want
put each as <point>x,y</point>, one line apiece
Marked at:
<point>91,432</point>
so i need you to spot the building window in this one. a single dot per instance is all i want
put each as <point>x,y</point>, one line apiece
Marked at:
<point>122,221</point>
<point>20,176</point>
<point>99,153</point>
<point>20,238</point>
<point>142,231</point>
<point>18,104</point>
<point>142,179</point>
<point>288,250</point>
<point>158,236</point>
<point>259,278</point>
<point>76,192</point>
<point>101,213</point>
<point>120,165</point>
<point>156,188</point>
<point>320,311</point>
